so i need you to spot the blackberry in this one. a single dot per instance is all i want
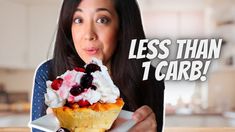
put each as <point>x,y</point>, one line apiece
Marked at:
<point>92,68</point>
<point>76,90</point>
<point>86,80</point>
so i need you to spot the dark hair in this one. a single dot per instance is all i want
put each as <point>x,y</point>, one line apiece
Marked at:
<point>126,74</point>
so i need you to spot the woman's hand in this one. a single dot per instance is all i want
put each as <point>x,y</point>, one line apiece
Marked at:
<point>145,120</point>
<point>49,110</point>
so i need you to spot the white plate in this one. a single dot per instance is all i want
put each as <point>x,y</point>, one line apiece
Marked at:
<point>49,123</point>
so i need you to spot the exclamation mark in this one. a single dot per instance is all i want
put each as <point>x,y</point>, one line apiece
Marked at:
<point>207,64</point>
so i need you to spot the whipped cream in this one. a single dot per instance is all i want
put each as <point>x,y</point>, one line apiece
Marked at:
<point>106,91</point>
<point>52,99</point>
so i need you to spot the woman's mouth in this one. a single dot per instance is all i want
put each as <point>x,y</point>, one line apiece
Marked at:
<point>92,51</point>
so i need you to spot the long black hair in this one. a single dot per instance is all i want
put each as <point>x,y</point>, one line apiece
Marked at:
<point>126,74</point>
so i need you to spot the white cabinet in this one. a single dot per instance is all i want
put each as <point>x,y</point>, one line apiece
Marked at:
<point>196,121</point>
<point>42,28</point>
<point>13,40</point>
<point>27,30</point>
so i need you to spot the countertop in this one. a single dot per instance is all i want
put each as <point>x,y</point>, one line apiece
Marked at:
<point>188,129</point>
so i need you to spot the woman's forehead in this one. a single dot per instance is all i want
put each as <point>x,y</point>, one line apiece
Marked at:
<point>90,7</point>
<point>96,4</point>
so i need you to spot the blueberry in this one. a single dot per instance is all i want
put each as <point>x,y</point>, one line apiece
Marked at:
<point>86,80</point>
<point>76,90</point>
<point>92,68</point>
<point>62,130</point>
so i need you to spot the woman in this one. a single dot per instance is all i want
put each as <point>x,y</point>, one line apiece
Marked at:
<point>104,29</point>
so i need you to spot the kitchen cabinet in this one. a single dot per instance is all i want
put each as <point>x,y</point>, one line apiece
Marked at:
<point>14,120</point>
<point>209,120</point>
<point>221,89</point>
<point>13,40</point>
<point>27,32</point>
<point>42,28</point>
<point>222,19</point>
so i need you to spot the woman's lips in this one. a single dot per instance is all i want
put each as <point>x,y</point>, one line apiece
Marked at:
<point>91,51</point>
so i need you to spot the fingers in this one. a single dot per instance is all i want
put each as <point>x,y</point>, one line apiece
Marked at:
<point>146,120</point>
<point>117,122</point>
<point>49,110</point>
<point>141,113</point>
<point>147,125</point>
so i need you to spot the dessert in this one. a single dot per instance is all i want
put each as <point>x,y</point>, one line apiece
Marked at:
<point>84,99</point>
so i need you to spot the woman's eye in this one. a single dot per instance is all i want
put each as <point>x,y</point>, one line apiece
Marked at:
<point>103,20</point>
<point>77,20</point>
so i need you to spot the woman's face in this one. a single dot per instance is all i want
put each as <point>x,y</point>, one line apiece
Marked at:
<point>94,30</point>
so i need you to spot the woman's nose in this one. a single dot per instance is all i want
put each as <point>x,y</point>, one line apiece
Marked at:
<point>89,32</point>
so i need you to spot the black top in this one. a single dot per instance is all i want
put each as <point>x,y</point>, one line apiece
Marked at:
<point>153,95</point>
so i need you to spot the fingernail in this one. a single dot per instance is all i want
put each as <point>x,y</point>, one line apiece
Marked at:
<point>136,117</point>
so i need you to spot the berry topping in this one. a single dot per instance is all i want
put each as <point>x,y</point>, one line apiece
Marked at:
<point>62,130</point>
<point>76,90</point>
<point>68,104</point>
<point>79,69</point>
<point>93,87</point>
<point>57,83</point>
<point>70,99</point>
<point>83,103</point>
<point>86,80</point>
<point>92,68</point>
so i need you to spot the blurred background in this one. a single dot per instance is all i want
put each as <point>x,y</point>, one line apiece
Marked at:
<point>27,34</point>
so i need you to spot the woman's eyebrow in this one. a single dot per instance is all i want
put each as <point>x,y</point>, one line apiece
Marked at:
<point>97,10</point>
<point>78,9</point>
<point>104,9</point>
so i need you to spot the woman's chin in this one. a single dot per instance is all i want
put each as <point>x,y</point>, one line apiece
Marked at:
<point>88,60</point>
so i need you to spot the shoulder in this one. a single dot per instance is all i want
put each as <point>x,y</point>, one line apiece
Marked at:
<point>42,71</point>
<point>44,65</point>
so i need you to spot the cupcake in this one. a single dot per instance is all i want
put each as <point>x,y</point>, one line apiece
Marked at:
<point>84,99</point>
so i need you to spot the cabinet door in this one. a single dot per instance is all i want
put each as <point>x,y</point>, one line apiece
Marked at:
<point>13,30</point>
<point>42,28</point>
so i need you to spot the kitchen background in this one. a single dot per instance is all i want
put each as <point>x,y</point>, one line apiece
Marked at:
<point>27,33</point>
